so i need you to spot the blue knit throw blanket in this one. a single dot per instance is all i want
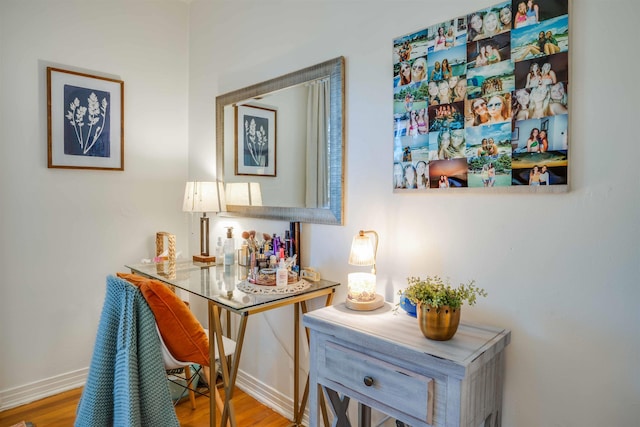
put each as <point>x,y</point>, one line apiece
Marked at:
<point>127,383</point>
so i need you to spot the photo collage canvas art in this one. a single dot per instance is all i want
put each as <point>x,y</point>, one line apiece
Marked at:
<point>482,100</point>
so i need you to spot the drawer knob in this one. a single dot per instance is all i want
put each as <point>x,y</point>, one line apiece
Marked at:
<point>368,381</point>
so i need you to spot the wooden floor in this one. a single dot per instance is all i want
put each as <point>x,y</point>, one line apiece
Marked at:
<point>59,411</point>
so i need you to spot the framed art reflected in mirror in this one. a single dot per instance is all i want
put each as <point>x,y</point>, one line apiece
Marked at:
<point>255,147</point>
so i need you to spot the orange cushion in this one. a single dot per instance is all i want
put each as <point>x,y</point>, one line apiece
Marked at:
<point>134,279</point>
<point>181,332</point>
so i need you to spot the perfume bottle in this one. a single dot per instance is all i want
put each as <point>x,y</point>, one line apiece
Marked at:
<point>282,274</point>
<point>288,247</point>
<point>229,247</point>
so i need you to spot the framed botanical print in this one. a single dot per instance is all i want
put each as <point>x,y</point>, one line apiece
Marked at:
<point>255,145</point>
<point>85,121</point>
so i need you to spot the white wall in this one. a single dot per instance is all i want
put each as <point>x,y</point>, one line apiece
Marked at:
<point>63,231</point>
<point>561,269</point>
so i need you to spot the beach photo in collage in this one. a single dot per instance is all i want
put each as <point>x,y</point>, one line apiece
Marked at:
<point>448,34</point>
<point>447,63</point>
<point>482,100</point>
<point>448,173</point>
<point>491,140</point>
<point>532,12</point>
<point>411,148</point>
<point>535,169</point>
<point>489,171</point>
<point>489,155</point>
<point>543,39</point>
<point>486,81</point>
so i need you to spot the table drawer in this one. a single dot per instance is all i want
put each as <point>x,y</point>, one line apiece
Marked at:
<point>390,385</point>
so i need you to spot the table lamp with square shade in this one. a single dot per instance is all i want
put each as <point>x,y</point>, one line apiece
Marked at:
<point>362,294</point>
<point>243,193</point>
<point>204,197</point>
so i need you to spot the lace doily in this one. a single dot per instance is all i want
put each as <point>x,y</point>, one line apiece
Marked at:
<point>250,288</point>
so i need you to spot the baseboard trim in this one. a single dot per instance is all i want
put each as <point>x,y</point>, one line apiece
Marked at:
<point>268,396</point>
<point>37,390</point>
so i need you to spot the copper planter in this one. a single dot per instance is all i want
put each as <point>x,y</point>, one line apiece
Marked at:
<point>440,323</point>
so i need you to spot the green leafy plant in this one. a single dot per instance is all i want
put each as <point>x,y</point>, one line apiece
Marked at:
<point>436,292</point>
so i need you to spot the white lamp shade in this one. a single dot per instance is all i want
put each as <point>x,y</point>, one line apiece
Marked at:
<point>204,197</point>
<point>361,292</point>
<point>244,193</point>
<point>362,251</point>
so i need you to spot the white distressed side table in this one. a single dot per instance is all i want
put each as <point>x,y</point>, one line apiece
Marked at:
<point>381,359</point>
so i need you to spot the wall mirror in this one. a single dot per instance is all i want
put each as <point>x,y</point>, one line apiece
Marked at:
<point>280,146</point>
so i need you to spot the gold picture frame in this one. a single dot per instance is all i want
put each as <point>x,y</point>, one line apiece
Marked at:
<point>85,121</point>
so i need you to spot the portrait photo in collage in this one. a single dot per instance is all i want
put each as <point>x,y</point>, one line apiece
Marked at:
<point>482,100</point>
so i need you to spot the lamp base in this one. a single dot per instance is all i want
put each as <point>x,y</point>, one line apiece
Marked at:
<point>365,305</point>
<point>204,258</point>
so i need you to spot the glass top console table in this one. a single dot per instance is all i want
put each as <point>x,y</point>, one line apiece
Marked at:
<point>224,288</point>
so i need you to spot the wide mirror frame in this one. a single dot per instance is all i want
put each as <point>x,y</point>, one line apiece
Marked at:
<point>334,214</point>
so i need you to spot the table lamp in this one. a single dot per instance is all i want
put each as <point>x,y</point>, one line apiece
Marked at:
<point>204,197</point>
<point>362,294</point>
<point>244,193</point>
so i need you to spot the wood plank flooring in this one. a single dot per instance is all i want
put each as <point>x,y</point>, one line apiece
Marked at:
<point>59,411</point>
